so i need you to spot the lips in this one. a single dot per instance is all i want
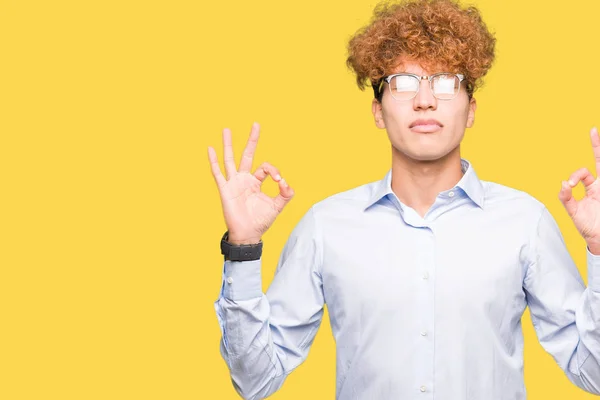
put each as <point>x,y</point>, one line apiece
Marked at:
<point>425,125</point>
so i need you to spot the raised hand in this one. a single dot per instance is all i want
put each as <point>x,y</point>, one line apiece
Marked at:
<point>248,212</point>
<point>585,212</point>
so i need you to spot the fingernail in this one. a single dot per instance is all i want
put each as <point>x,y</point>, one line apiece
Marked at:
<point>571,183</point>
<point>283,182</point>
<point>277,177</point>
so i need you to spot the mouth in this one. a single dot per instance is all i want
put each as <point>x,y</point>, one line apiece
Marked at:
<point>425,126</point>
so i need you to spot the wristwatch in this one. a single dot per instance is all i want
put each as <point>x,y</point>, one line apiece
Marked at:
<point>240,252</point>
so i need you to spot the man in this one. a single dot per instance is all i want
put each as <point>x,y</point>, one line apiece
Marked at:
<point>426,273</point>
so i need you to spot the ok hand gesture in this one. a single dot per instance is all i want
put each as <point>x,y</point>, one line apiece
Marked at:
<point>248,211</point>
<point>585,212</point>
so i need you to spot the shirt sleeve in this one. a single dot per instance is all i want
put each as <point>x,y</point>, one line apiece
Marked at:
<point>565,314</point>
<point>266,336</point>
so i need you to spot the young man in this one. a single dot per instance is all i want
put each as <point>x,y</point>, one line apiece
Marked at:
<point>427,272</point>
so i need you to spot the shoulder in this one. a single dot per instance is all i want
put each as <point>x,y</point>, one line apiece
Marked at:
<point>500,198</point>
<point>348,201</point>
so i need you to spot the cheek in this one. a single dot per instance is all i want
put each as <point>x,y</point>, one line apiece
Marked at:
<point>396,116</point>
<point>458,119</point>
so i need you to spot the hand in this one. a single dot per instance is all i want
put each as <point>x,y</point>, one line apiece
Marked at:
<point>248,212</point>
<point>585,212</point>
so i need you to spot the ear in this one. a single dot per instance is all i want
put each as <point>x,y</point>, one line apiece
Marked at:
<point>471,115</point>
<point>377,110</point>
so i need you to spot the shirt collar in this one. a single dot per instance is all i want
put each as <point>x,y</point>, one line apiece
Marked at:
<point>469,183</point>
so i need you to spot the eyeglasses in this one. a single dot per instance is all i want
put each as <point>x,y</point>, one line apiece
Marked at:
<point>444,85</point>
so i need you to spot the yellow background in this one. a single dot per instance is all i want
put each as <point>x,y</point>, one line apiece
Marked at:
<point>110,218</point>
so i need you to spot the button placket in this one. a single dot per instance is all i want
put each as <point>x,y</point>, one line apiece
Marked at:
<point>426,343</point>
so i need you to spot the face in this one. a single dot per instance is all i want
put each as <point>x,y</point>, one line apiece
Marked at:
<point>424,140</point>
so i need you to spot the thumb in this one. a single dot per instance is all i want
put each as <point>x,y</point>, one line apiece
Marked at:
<point>285,195</point>
<point>566,198</point>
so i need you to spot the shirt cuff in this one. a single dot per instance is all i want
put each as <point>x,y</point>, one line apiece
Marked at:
<point>242,280</point>
<point>593,266</point>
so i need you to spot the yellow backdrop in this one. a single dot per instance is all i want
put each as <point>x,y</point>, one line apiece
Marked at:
<point>111,220</point>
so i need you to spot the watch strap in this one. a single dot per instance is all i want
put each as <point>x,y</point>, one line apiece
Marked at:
<point>240,252</point>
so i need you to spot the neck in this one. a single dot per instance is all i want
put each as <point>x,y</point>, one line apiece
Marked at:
<point>417,183</point>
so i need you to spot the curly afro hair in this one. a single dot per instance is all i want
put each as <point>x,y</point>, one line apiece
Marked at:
<point>434,33</point>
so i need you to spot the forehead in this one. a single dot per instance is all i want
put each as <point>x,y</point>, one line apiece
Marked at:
<point>418,67</point>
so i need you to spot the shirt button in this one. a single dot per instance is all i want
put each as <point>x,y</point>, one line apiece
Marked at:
<point>230,280</point>
<point>423,388</point>
<point>423,333</point>
<point>425,275</point>
<point>451,194</point>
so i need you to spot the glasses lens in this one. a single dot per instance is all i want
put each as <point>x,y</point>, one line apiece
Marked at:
<point>404,87</point>
<point>445,86</point>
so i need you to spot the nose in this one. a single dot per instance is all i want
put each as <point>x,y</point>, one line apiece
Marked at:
<point>424,99</point>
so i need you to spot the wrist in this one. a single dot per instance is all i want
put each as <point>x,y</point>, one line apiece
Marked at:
<point>241,249</point>
<point>593,244</point>
<point>594,249</point>
<point>239,239</point>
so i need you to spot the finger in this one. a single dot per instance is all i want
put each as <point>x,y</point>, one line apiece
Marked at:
<point>265,170</point>
<point>566,198</point>
<point>285,195</point>
<point>214,166</point>
<point>247,157</point>
<point>583,175</point>
<point>596,147</point>
<point>228,159</point>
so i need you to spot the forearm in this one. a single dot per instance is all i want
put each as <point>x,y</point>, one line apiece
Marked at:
<point>247,346</point>
<point>246,343</point>
<point>259,347</point>
<point>588,326</point>
<point>583,368</point>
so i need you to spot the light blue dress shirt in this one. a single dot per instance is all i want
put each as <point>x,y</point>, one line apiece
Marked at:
<point>420,307</point>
